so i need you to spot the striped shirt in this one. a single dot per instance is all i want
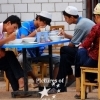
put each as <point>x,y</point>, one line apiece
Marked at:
<point>82,28</point>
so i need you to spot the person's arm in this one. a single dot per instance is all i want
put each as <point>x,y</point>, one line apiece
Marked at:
<point>3,41</point>
<point>77,37</point>
<point>9,38</point>
<point>35,31</point>
<point>32,34</point>
<point>65,34</point>
<point>90,38</point>
<point>24,30</point>
<point>25,33</point>
<point>68,36</point>
<point>71,45</point>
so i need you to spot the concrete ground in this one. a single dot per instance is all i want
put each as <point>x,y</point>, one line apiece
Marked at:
<point>69,95</point>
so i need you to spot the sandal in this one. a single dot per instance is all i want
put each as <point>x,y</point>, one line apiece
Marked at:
<point>34,85</point>
<point>21,88</point>
<point>79,96</point>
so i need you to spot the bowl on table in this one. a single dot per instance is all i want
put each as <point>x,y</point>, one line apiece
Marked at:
<point>29,39</point>
<point>54,32</point>
<point>16,41</point>
<point>55,38</point>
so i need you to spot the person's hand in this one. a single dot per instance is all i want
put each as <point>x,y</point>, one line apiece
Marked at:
<point>61,33</point>
<point>41,29</point>
<point>12,37</point>
<point>80,47</point>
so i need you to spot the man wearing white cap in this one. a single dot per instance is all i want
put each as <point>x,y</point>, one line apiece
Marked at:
<point>67,53</point>
<point>87,54</point>
<point>30,29</point>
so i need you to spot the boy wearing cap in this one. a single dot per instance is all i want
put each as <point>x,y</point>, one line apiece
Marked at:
<point>87,54</point>
<point>30,29</point>
<point>67,53</point>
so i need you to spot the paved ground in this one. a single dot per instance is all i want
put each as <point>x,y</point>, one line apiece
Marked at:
<point>69,95</point>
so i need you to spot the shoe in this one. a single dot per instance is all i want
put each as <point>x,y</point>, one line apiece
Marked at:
<point>79,96</point>
<point>70,82</point>
<point>21,89</point>
<point>55,90</point>
<point>64,89</point>
<point>52,91</point>
<point>33,85</point>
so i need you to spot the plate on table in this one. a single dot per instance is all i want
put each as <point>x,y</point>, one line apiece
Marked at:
<point>33,42</point>
<point>16,41</point>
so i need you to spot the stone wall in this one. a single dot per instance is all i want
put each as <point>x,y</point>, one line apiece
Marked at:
<point>27,9</point>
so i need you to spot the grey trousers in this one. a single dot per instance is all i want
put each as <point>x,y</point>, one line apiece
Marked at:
<point>43,58</point>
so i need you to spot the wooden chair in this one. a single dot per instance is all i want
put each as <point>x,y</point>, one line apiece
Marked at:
<point>7,82</point>
<point>56,27</point>
<point>85,83</point>
<point>56,47</point>
<point>36,70</point>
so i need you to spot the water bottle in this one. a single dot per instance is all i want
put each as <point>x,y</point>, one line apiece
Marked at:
<point>42,38</point>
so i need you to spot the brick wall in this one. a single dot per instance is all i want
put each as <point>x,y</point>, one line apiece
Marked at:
<point>27,9</point>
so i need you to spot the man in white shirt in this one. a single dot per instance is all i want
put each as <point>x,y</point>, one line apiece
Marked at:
<point>8,60</point>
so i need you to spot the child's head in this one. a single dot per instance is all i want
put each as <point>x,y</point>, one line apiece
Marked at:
<point>70,14</point>
<point>44,18</point>
<point>11,24</point>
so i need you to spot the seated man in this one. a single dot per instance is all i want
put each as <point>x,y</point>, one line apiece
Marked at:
<point>67,53</point>
<point>87,54</point>
<point>30,29</point>
<point>8,60</point>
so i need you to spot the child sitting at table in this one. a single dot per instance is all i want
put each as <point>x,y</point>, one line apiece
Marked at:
<point>30,29</point>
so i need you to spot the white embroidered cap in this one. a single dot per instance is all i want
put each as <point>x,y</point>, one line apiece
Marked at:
<point>97,9</point>
<point>46,14</point>
<point>71,10</point>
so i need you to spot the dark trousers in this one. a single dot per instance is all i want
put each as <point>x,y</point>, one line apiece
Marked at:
<point>67,58</point>
<point>83,59</point>
<point>11,66</point>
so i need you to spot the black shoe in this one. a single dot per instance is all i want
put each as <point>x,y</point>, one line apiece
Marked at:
<point>56,90</point>
<point>64,89</point>
<point>52,91</point>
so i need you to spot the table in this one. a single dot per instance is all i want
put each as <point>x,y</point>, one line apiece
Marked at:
<point>24,46</point>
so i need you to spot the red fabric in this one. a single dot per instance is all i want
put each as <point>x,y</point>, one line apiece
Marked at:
<point>91,42</point>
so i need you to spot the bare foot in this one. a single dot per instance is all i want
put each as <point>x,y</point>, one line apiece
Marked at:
<point>21,82</point>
